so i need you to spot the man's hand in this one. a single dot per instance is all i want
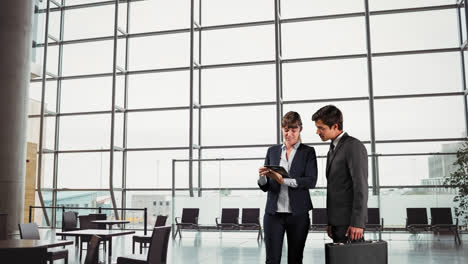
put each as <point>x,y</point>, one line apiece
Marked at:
<point>354,233</point>
<point>329,231</point>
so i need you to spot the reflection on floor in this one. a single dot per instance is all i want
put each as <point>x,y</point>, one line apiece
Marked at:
<point>240,248</point>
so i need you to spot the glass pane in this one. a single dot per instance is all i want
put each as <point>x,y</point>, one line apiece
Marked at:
<point>418,147</point>
<point>87,58</point>
<point>89,22</point>
<point>238,45</point>
<point>118,167</point>
<point>78,2</point>
<point>47,175</point>
<point>83,170</point>
<point>158,129</point>
<point>119,91</point>
<point>230,174</point>
<point>463,23</point>
<point>355,119</point>
<point>182,176</point>
<point>324,38</point>
<point>52,59</point>
<point>38,215</point>
<point>239,85</point>
<point>86,199</point>
<point>215,12</point>
<point>419,118</point>
<point>415,170</point>
<point>146,16</point>
<point>233,125</point>
<point>166,51</point>
<point>122,19</point>
<point>325,79</point>
<point>38,25</point>
<point>118,129</point>
<point>413,74</point>
<point>85,132</point>
<point>121,49</point>
<point>227,153</point>
<point>398,4</point>
<point>304,8</point>
<point>196,126</point>
<point>86,95</point>
<point>35,97</point>
<point>413,31</point>
<point>33,131</point>
<point>395,201</point>
<point>152,90</point>
<point>158,203</point>
<point>153,169</point>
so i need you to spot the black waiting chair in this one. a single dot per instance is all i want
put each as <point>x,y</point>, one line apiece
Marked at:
<point>416,220</point>
<point>85,223</point>
<point>189,220</point>
<point>229,219</point>
<point>98,217</point>
<point>70,223</point>
<point>374,222</point>
<point>319,219</point>
<point>92,251</point>
<point>251,221</point>
<point>157,253</point>
<point>31,231</point>
<point>441,220</point>
<point>143,240</point>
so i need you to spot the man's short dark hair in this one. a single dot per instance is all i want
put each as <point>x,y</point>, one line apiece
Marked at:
<point>329,115</point>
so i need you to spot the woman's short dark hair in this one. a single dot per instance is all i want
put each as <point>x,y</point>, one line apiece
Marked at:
<point>291,119</point>
<point>329,115</point>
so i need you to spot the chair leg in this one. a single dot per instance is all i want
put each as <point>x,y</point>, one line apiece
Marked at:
<point>81,249</point>
<point>457,238</point>
<point>133,247</point>
<point>141,249</point>
<point>66,259</point>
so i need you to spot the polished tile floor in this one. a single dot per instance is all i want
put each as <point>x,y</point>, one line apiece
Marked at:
<point>237,248</point>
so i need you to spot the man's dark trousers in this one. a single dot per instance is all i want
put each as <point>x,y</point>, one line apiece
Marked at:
<point>296,228</point>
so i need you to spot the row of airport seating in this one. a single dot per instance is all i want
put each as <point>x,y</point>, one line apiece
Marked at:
<point>416,221</point>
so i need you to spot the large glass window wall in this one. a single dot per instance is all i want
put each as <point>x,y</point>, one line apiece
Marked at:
<point>129,86</point>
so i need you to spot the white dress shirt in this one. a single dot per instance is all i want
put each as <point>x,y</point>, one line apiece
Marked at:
<point>283,198</point>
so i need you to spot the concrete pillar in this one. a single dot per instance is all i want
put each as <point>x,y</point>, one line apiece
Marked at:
<point>15,49</point>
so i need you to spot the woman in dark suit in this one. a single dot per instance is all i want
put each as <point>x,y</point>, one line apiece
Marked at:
<point>288,203</point>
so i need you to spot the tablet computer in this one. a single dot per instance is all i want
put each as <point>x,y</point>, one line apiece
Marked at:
<point>278,169</point>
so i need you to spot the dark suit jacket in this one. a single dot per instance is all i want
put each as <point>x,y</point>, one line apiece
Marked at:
<point>303,169</point>
<point>347,187</point>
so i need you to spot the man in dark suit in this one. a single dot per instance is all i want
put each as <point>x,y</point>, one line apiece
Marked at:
<point>347,187</point>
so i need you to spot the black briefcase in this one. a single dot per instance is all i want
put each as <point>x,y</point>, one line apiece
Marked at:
<point>368,252</point>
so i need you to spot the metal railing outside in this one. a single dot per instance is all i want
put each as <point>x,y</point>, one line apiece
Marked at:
<point>99,210</point>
